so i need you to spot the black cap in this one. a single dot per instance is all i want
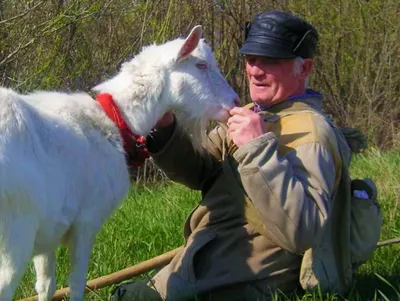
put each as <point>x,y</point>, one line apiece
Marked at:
<point>280,35</point>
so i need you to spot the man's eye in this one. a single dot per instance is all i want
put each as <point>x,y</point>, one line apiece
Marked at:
<point>202,66</point>
<point>250,59</point>
<point>270,61</point>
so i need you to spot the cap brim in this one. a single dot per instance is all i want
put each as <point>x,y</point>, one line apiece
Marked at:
<point>266,50</point>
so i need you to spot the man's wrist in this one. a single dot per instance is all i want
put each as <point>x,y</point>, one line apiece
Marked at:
<point>167,120</point>
<point>160,135</point>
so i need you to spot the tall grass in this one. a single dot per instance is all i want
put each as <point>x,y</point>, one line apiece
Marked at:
<point>150,222</point>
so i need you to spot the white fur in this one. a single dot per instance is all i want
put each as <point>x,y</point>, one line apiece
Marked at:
<point>62,165</point>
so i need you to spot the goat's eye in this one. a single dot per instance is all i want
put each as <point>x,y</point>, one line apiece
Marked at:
<point>202,66</point>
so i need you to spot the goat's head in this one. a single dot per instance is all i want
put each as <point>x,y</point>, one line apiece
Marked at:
<point>196,84</point>
<point>180,75</point>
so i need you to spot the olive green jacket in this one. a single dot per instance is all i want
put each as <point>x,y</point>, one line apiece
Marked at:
<point>265,208</point>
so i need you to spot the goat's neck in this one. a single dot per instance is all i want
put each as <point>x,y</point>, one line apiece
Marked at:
<point>141,117</point>
<point>140,110</point>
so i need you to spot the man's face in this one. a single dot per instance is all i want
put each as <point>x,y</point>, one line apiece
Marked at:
<point>272,80</point>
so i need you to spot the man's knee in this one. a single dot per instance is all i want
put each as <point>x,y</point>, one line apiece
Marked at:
<point>135,291</point>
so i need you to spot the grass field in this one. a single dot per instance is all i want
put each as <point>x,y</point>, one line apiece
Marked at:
<point>149,222</point>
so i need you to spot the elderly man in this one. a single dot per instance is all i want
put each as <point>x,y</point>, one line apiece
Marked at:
<point>268,180</point>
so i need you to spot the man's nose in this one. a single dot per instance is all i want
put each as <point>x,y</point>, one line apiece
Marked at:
<point>255,70</point>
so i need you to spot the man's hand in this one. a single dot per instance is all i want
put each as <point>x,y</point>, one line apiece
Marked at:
<point>244,125</point>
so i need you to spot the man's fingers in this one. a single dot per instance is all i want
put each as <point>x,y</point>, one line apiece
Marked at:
<point>235,119</point>
<point>234,126</point>
<point>241,111</point>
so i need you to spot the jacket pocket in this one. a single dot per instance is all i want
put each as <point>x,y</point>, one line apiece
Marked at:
<point>195,249</point>
<point>366,221</point>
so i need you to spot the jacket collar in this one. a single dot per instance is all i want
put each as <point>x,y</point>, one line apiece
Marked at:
<point>310,98</point>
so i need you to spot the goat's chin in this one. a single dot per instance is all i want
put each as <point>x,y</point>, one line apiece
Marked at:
<point>219,116</point>
<point>196,127</point>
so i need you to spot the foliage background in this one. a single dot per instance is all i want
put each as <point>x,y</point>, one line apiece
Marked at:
<point>73,44</point>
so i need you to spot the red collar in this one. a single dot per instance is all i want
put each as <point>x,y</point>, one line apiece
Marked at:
<point>134,145</point>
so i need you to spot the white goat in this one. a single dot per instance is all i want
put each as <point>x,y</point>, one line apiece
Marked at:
<point>62,164</point>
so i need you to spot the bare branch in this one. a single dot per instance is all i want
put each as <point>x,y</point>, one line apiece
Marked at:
<point>9,57</point>
<point>22,14</point>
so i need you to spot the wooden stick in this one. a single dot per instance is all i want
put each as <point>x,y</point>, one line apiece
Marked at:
<point>389,242</point>
<point>119,276</point>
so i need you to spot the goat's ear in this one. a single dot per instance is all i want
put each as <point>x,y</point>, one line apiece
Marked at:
<point>190,43</point>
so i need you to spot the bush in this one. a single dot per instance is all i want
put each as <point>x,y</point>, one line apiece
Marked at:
<point>72,45</point>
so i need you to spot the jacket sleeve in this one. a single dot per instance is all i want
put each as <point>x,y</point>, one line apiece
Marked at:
<point>292,194</point>
<point>183,163</point>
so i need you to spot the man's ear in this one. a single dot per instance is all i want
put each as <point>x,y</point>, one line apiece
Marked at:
<point>306,68</point>
<point>190,43</point>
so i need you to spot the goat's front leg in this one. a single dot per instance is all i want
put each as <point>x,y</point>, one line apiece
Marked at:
<point>45,266</point>
<point>80,246</point>
<point>17,238</point>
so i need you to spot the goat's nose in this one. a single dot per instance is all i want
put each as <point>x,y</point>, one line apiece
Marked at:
<point>237,102</point>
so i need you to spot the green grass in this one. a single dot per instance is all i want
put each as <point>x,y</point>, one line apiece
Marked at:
<point>150,222</point>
